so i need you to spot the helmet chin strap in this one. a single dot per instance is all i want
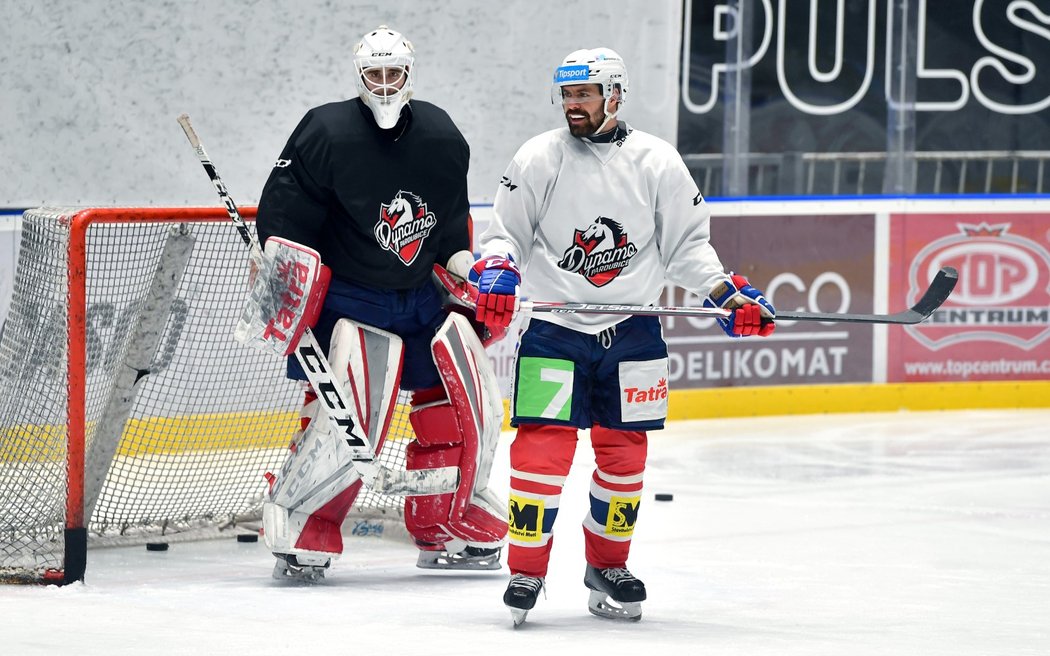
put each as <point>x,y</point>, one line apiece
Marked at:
<point>608,117</point>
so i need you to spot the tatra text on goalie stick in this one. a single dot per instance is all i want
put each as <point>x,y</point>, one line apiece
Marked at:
<point>329,392</point>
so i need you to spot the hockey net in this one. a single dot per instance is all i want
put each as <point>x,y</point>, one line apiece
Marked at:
<point>128,413</point>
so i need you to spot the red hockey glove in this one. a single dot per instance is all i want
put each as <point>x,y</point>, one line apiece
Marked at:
<point>498,282</point>
<point>752,313</point>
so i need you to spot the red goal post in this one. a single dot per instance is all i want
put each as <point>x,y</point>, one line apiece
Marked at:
<point>128,413</point>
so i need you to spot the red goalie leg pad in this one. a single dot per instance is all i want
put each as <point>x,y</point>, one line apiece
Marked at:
<point>322,529</point>
<point>438,424</point>
<point>440,442</point>
<point>616,493</point>
<point>425,515</point>
<point>432,418</point>
<point>540,458</point>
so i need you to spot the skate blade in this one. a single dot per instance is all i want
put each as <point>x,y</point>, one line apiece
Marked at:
<point>518,615</point>
<point>602,605</point>
<point>283,572</point>
<point>441,560</point>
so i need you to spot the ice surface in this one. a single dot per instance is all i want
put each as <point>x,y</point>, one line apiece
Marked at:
<point>911,533</point>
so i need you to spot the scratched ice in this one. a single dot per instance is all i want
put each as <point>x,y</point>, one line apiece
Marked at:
<point>907,533</point>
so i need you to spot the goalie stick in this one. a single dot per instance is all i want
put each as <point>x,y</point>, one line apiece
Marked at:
<point>943,284</point>
<point>319,372</point>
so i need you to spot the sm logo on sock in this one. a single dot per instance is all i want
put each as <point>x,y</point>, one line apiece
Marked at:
<point>623,513</point>
<point>526,519</point>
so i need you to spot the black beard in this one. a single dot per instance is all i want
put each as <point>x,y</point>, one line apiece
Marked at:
<point>587,128</point>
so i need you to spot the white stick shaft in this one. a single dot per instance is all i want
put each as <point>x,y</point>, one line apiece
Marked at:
<point>607,308</point>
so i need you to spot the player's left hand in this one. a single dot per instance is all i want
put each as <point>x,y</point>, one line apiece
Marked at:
<point>751,314</point>
<point>498,281</point>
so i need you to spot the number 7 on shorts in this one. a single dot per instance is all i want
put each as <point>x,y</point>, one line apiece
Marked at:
<point>544,388</point>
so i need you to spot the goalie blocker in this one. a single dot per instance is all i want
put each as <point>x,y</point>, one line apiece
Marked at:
<point>457,427</point>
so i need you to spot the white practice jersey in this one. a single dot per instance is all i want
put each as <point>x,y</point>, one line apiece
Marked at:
<point>602,223</point>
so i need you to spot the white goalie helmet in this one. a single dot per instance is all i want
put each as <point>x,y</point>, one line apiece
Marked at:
<point>592,66</point>
<point>384,62</point>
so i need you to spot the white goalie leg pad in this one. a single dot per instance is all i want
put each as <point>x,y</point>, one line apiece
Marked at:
<point>313,493</point>
<point>469,424</point>
<point>367,362</point>
<point>300,515</point>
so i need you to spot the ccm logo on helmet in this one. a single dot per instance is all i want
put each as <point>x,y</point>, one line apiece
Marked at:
<point>569,73</point>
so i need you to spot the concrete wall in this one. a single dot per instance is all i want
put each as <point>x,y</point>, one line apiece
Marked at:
<point>91,89</point>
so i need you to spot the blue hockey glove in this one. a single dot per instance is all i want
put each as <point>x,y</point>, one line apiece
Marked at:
<point>498,281</point>
<point>752,313</point>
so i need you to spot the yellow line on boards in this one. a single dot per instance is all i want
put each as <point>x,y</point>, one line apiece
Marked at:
<point>826,399</point>
<point>269,430</point>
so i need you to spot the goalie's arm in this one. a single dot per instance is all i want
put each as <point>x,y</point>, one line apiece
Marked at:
<point>293,204</point>
<point>458,234</point>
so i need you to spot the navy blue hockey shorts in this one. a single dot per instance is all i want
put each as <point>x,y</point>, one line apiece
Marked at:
<point>616,379</point>
<point>414,315</point>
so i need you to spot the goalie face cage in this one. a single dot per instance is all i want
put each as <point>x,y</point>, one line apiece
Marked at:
<point>127,411</point>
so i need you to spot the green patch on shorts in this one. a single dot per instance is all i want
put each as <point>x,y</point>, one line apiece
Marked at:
<point>544,388</point>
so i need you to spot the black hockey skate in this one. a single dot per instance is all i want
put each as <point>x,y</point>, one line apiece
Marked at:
<point>471,558</point>
<point>615,593</point>
<point>290,567</point>
<point>521,596</point>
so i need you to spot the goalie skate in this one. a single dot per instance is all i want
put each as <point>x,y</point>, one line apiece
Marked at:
<point>471,558</point>
<point>521,595</point>
<point>299,568</point>
<point>615,593</point>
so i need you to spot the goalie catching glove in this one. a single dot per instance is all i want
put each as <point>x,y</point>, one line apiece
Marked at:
<point>498,281</point>
<point>288,284</point>
<point>751,314</point>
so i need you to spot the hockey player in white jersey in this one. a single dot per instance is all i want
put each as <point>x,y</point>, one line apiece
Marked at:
<point>595,213</point>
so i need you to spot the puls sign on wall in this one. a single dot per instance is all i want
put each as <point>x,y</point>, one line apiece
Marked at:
<point>996,324</point>
<point>976,63</point>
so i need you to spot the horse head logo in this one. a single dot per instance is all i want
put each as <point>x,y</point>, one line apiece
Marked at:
<point>403,224</point>
<point>598,252</point>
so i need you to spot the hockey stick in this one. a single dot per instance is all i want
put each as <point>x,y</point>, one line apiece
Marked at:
<point>319,372</point>
<point>943,284</point>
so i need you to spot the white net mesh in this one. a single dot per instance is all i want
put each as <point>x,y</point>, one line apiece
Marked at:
<point>208,419</point>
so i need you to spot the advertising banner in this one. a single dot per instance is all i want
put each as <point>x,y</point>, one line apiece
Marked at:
<point>809,263</point>
<point>996,324</point>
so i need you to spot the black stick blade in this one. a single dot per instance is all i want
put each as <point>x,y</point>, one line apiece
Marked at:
<point>938,292</point>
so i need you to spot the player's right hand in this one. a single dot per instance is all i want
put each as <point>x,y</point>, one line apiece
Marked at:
<point>499,282</point>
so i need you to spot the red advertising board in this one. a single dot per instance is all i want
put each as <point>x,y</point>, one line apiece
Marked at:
<point>996,324</point>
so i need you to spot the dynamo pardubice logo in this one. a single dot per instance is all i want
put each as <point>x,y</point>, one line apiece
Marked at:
<point>403,225</point>
<point>599,252</point>
<point>1003,293</point>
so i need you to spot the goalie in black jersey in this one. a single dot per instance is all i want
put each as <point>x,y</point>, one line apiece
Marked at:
<point>376,185</point>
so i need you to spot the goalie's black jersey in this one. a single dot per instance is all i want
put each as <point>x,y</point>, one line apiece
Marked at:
<point>380,206</point>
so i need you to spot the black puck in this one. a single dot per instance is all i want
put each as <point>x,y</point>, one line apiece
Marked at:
<point>156,546</point>
<point>664,496</point>
<point>248,537</point>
